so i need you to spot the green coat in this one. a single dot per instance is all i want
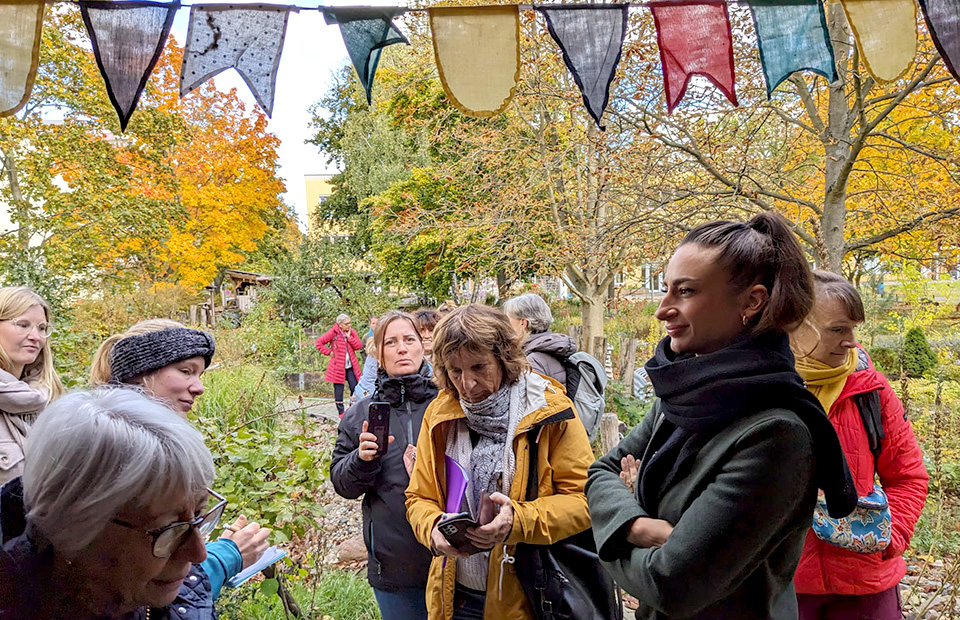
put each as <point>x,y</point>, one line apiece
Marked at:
<point>740,517</point>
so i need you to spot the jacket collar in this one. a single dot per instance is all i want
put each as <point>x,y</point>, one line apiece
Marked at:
<point>545,403</point>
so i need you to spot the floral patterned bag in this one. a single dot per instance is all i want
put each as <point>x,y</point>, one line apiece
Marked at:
<point>867,529</point>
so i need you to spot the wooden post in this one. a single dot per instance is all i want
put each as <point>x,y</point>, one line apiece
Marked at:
<point>193,315</point>
<point>576,332</point>
<point>599,348</point>
<point>609,431</point>
<point>628,362</point>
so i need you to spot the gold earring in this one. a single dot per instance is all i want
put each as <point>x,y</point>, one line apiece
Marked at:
<point>744,319</point>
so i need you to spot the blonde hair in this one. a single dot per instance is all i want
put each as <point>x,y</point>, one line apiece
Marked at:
<point>14,302</point>
<point>371,349</point>
<point>100,368</point>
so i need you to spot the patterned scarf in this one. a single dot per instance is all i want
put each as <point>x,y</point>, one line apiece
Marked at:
<point>490,418</point>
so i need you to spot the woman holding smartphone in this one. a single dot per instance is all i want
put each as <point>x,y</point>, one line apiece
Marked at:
<point>360,466</point>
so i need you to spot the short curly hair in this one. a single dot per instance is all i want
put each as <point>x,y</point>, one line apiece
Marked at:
<point>477,329</point>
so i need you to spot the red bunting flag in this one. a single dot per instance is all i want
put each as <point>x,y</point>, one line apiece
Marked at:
<point>694,39</point>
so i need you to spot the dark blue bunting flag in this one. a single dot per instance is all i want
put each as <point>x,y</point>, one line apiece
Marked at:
<point>590,37</point>
<point>127,39</point>
<point>943,20</point>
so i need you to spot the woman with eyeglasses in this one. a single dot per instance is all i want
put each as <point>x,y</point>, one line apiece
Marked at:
<point>166,360</point>
<point>28,381</point>
<point>118,533</point>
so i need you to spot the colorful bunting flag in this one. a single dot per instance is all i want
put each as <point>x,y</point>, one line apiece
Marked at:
<point>886,33</point>
<point>694,39</point>
<point>792,37</point>
<point>245,37</point>
<point>21,25</point>
<point>366,31</point>
<point>591,40</point>
<point>477,51</point>
<point>943,20</point>
<point>127,40</point>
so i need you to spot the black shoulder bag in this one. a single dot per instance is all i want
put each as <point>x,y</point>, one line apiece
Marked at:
<point>565,580</point>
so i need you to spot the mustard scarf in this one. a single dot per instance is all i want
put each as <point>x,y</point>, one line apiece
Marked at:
<point>826,382</point>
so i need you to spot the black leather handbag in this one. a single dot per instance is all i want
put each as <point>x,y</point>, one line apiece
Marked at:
<point>565,580</point>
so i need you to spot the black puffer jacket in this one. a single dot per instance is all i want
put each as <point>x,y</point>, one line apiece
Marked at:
<point>396,559</point>
<point>545,351</point>
<point>27,591</point>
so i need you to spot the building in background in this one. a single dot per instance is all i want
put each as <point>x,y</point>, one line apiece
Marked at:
<point>319,189</point>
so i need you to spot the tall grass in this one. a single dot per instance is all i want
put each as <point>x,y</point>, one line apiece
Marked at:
<point>335,595</point>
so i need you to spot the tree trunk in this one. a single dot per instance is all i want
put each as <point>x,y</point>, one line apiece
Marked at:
<point>836,143</point>
<point>503,286</point>
<point>592,311</point>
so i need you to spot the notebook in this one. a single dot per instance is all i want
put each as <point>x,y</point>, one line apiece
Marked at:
<point>269,556</point>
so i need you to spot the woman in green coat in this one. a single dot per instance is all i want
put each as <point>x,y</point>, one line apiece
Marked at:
<point>727,464</point>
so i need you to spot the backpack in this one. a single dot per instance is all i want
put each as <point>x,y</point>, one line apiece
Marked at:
<point>586,381</point>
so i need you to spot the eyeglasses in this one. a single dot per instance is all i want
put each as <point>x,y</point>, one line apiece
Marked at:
<point>168,539</point>
<point>24,327</point>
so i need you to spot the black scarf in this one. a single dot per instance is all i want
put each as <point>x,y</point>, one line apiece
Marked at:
<point>701,394</point>
<point>417,387</point>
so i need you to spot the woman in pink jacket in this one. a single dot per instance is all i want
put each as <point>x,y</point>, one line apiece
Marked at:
<point>339,343</point>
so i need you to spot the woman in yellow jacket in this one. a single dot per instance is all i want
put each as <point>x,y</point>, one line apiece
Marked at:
<point>489,410</point>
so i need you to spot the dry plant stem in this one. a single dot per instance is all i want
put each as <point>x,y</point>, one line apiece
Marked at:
<point>949,577</point>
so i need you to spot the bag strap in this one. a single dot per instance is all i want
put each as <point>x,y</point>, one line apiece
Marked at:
<point>868,404</point>
<point>533,447</point>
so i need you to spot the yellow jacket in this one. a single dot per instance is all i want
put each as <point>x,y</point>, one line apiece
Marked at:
<point>559,511</point>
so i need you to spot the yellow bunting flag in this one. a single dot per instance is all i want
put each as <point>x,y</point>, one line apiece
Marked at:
<point>886,32</point>
<point>478,55</point>
<point>20,27</point>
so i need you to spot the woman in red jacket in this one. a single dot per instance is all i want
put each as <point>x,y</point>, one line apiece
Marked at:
<point>340,342</point>
<point>834,583</point>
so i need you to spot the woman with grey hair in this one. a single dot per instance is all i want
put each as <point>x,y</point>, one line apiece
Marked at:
<point>118,532</point>
<point>531,317</point>
<point>339,343</point>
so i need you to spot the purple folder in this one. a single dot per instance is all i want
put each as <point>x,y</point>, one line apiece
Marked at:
<point>457,479</point>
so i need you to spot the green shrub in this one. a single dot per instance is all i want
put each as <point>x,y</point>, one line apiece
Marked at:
<point>629,409</point>
<point>267,460</point>
<point>886,360</point>
<point>918,357</point>
<point>338,595</point>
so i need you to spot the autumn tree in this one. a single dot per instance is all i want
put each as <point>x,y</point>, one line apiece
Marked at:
<point>858,167</point>
<point>536,189</point>
<point>189,189</point>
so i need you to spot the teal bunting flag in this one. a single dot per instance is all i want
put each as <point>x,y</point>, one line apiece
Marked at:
<point>792,37</point>
<point>366,31</point>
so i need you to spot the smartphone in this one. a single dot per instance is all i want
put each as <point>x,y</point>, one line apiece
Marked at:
<point>378,423</point>
<point>454,529</point>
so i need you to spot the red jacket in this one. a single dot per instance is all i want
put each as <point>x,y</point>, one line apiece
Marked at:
<point>828,569</point>
<point>338,341</point>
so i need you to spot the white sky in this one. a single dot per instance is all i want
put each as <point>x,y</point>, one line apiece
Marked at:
<point>312,52</point>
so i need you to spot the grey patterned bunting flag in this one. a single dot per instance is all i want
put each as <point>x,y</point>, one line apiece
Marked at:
<point>366,31</point>
<point>127,40</point>
<point>591,39</point>
<point>246,37</point>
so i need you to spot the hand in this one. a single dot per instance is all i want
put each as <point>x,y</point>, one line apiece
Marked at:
<point>368,444</point>
<point>250,538</point>
<point>409,458</point>
<point>645,532</point>
<point>441,546</point>
<point>630,471</point>
<point>495,532</point>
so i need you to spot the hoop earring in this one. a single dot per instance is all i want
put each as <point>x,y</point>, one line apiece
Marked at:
<point>744,319</point>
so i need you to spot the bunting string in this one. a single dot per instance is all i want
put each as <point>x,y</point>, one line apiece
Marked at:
<point>477,48</point>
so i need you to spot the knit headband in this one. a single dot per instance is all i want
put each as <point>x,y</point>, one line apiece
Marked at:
<point>137,355</point>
